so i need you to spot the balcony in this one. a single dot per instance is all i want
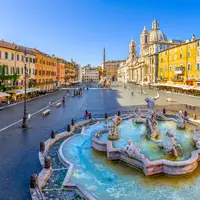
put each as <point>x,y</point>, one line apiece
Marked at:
<point>175,79</point>
<point>180,70</point>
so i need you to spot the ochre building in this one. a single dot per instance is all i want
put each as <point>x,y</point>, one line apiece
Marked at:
<point>180,64</point>
<point>45,71</point>
<point>12,56</point>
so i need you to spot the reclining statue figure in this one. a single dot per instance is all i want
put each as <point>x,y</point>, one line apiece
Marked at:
<point>180,120</point>
<point>132,151</point>
<point>170,144</point>
<point>151,123</point>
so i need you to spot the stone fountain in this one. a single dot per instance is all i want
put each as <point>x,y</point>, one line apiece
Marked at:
<point>150,122</point>
<point>170,144</point>
<point>180,120</point>
<point>196,137</point>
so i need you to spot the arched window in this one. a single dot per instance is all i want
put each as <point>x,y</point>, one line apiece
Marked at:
<point>145,39</point>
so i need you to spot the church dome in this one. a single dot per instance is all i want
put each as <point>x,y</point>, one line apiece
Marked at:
<point>156,34</point>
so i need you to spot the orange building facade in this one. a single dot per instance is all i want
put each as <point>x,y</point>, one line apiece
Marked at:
<point>45,71</point>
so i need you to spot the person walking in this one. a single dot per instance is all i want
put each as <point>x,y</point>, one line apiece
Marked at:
<point>63,100</point>
<point>86,114</point>
<point>50,104</point>
<point>29,116</point>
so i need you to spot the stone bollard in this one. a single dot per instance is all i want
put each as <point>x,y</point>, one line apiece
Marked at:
<point>42,146</point>
<point>72,122</point>
<point>185,113</point>
<point>34,181</point>
<point>47,162</point>
<point>164,111</point>
<point>119,113</point>
<point>68,128</point>
<point>194,116</point>
<point>106,115</point>
<point>53,134</point>
<point>90,116</point>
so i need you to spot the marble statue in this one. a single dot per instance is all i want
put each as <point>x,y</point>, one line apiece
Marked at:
<point>170,144</point>
<point>132,151</point>
<point>180,120</point>
<point>116,120</point>
<point>196,137</point>
<point>151,123</point>
<point>113,133</point>
<point>137,116</point>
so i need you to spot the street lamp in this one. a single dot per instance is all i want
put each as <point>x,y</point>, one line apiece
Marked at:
<point>25,119</point>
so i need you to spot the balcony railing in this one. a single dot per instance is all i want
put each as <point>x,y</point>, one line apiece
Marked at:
<point>180,70</point>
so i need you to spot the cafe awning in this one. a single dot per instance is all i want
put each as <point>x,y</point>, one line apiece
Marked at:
<point>22,91</point>
<point>4,94</point>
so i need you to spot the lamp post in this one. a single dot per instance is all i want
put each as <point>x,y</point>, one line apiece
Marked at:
<point>25,119</point>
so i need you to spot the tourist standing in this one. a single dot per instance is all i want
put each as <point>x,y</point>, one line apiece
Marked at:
<point>86,114</point>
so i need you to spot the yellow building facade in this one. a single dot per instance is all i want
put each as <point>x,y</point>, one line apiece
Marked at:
<point>12,56</point>
<point>180,64</point>
<point>46,71</point>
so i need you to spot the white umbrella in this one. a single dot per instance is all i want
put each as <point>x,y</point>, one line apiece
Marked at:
<point>4,94</point>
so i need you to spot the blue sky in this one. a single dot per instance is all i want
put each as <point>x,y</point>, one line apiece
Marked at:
<point>80,29</point>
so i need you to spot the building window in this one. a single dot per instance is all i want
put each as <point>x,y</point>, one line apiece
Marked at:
<point>170,68</point>
<point>18,70</point>
<point>145,39</point>
<point>198,66</point>
<point>160,70</point>
<point>165,69</point>
<point>189,67</point>
<point>174,67</point>
<point>0,54</point>
<point>22,58</point>
<point>181,55</point>
<point>198,43</point>
<point>17,57</point>
<point>26,59</point>
<point>198,52</point>
<point>188,54</point>
<point>6,55</point>
<point>12,56</point>
<point>22,70</point>
<point>31,60</point>
<point>29,71</point>
<point>12,70</point>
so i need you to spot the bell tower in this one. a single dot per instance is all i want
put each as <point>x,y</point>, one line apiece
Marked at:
<point>132,49</point>
<point>144,40</point>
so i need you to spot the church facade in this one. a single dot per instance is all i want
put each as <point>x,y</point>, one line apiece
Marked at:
<point>143,69</point>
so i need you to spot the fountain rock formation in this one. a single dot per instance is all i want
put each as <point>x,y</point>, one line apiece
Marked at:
<point>151,123</point>
<point>180,120</point>
<point>132,151</point>
<point>137,116</point>
<point>170,144</point>
<point>196,137</point>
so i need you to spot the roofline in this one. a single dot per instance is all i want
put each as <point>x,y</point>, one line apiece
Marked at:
<point>178,45</point>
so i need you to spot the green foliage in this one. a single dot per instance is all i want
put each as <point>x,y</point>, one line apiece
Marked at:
<point>5,77</point>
